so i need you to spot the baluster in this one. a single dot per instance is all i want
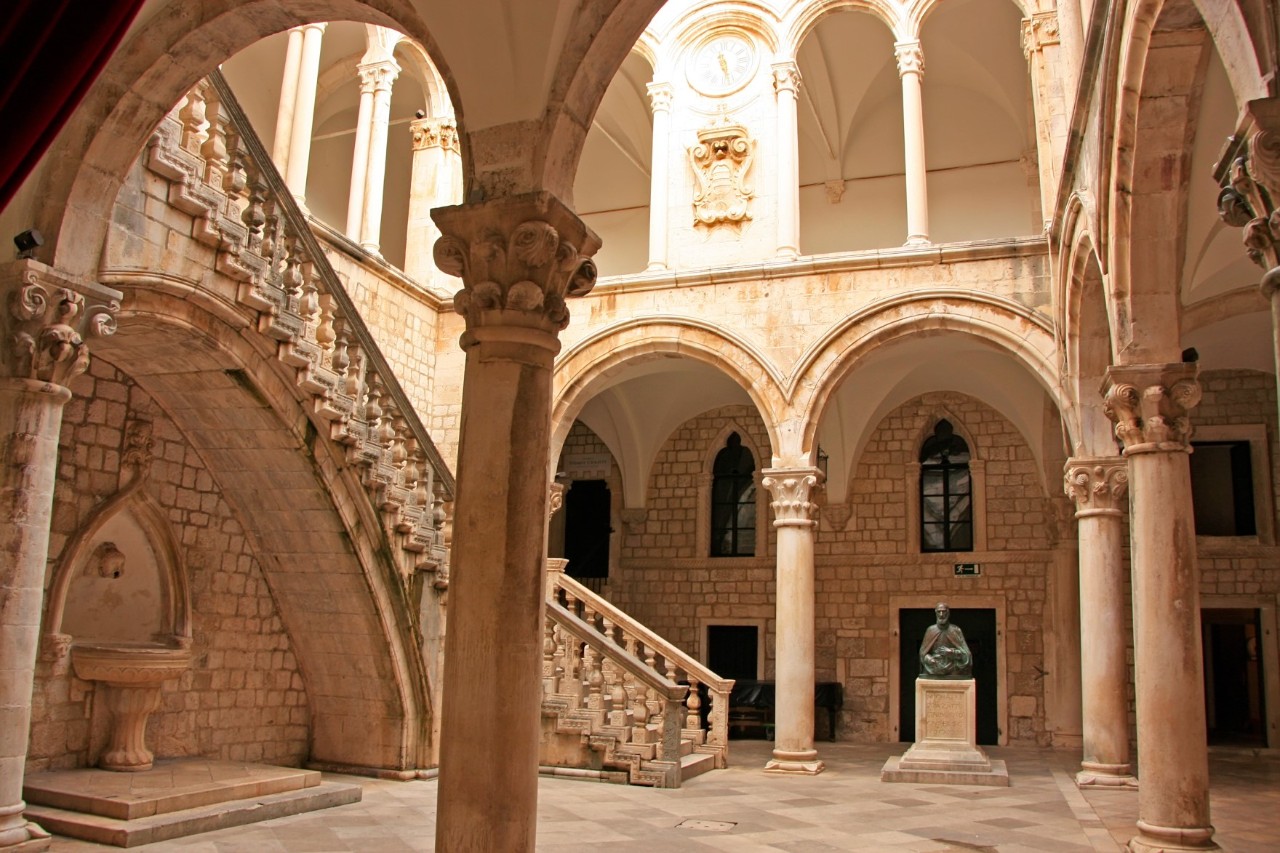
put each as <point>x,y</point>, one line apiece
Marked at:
<point>395,428</point>
<point>606,626</point>
<point>694,703</point>
<point>192,116</point>
<point>548,657</point>
<point>253,216</point>
<point>657,710</point>
<point>309,303</point>
<point>639,707</point>
<point>560,659</point>
<point>237,176</point>
<point>410,473</point>
<point>214,147</point>
<point>325,334</point>
<point>593,679</point>
<point>292,279</point>
<point>589,614</point>
<point>373,407</point>
<point>339,358</point>
<point>270,230</point>
<point>354,364</point>
<point>619,710</point>
<point>572,682</point>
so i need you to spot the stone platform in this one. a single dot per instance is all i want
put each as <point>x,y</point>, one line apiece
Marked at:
<point>176,798</point>
<point>946,749</point>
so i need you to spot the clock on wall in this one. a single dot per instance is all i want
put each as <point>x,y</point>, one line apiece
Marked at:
<point>722,64</point>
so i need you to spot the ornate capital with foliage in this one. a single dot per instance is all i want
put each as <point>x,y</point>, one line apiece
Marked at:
<point>792,490</point>
<point>435,133</point>
<point>1249,174</point>
<point>1039,31</point>
<point>1149,403</point>
<point>378,76</point>
<point>786,78</point>
<point>660,95</point>
<point>910,58</point>
<point>47,319</point>
<point>1099,486</point>
<point>519,258</point>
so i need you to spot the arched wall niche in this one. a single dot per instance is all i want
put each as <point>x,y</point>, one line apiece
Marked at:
<point>120,579</point>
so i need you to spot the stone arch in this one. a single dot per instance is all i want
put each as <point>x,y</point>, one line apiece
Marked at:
<point>1009,327</point>
<point>1086,347</point>
<point>1245,69</point>
<point>919,11</point>
<point>150,73</point>
<point>798,27</point>
<point>303,509</point>
<point>588,366</point>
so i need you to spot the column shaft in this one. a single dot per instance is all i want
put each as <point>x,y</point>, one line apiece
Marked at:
<point>659,170</point>
<point>1098,486</point>
<point>376,173</point>
<point>786,81</point>
<point>793,750</point>
<point>30,418</point>
<point>435,181</point>
<point>911,69</point>
<point>1150,404</point>
<point>304,110</point>
<point>359,164</point>
<point>288,100</point>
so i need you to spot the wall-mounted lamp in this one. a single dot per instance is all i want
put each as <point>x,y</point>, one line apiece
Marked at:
<point>27,242</point>
<point>823,458</point>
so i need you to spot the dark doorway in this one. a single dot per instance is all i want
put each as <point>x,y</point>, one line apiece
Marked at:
<point>1233,685</point>
<point>733,651</point>
<point>979,626</point>
<point>586,529</point>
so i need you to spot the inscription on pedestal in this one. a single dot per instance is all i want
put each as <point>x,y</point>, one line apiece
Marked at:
<point>944,716</point>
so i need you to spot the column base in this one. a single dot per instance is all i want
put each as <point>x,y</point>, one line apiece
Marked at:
<point>916,242</point>
<point>1168,839</point>
<point>1093,775</point>
<point>805,763</point>
<point>656,266</point>
<point>25,837</point>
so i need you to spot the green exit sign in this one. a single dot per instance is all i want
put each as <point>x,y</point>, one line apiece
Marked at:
<point>965,569</point>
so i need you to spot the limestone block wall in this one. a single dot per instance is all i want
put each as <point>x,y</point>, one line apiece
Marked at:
<point>244,697</point>
<point>868,563</point>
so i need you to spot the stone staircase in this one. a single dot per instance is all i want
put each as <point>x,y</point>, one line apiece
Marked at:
<point>619,701</point>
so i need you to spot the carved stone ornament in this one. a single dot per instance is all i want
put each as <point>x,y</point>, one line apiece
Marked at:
<point>1249,173</point>
<point>791,490</point>
<point>47,319</point>
<point>721,163</point>
<point>910,57</point>
<point>435,133</point>
<point>1149,403</point>
<point>1039,31</point>
<point>518,257</point>
<point>107,561</point>
<point>1096,485</point>
<point>378,76</point>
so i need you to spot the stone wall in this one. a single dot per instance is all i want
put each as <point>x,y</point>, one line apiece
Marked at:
<point>243,698</point>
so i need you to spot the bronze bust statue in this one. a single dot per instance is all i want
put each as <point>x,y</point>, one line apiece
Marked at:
<point>944,653</point>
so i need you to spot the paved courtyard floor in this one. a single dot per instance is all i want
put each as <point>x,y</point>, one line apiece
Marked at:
<point>743,809</point>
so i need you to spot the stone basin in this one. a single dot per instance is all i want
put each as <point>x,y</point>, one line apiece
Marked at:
<point>131,675</point>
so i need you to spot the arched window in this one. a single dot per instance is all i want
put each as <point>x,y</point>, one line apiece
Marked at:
<point>733,501</point>
<point>946,492</point>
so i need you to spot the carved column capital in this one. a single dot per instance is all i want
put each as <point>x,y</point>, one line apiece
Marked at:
<point>1249,174</point>
<point>1098,485</point>
<point>786,77</point>
<point>519,257</point>
<point>437,132</point>
<point>792,490</point>
<point>1039,31</point>
<point>910,58</point>
<point>47,319</point>
<point>660,95</point>
<point>555,498</point>
<point>1149,403</point>
<point>378,76</point>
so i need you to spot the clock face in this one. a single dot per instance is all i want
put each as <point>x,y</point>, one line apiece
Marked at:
<point>722,65</point>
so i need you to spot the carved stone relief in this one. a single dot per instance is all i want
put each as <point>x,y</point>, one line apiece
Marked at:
<point>721,163</point>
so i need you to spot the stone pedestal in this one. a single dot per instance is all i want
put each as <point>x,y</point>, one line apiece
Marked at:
<point>946,748</point>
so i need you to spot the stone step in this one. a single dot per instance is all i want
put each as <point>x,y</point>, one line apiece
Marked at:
<point>171,785</point>
<point>695,764</point>
<point>179,824</point>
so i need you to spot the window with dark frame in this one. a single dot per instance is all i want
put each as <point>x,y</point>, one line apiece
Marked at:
<point>946,492</point>
<point>733,501</point>
<point>1222,488</point>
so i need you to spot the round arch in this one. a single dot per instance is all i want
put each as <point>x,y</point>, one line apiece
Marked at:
<point>1086,347</point>
<point>1009,327</point>
<point>599,361</point>
<point>797,27</point>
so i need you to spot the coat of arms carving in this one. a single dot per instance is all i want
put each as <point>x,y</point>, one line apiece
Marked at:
<point>721,164</point>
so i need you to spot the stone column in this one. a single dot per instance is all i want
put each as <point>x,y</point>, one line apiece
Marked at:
<point>1149,404</point>
<point>786,83</point>
<point>1099,487</point>
<point>911,70</point>
<point>288,100</point>
<point>518,258</point>
<point>659,174</point>
<point>304,111</point>
<point>381,76</point>
<point>360,160</point>
<point>795,517</point>
<point>436,181</point>
<point>45,322</point>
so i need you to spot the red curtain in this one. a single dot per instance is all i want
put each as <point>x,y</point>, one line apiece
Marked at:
<point>51,51</point>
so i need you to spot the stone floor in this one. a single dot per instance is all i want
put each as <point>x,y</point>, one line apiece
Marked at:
<point>742,809</point>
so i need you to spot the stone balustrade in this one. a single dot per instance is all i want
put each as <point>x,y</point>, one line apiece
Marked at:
<point>658,656</point>
<point>219,173</point>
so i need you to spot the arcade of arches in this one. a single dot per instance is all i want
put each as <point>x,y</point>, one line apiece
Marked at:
<point>830,309</point>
